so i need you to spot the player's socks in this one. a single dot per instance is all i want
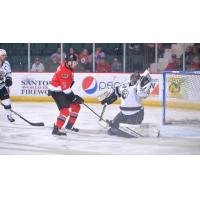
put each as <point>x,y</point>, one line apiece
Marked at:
<point>62,117</point>
<point>56,131</point>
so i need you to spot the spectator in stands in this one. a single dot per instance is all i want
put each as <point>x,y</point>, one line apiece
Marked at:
<point>118,50</point>
<point>116,65</point>
<point>161,50</point>
<point>53,64</point>
<point>136,53</point>
<point>37,66</point>
<point>195,64</point>
<point>58,54</point>
<point>103,66</point>
<point>179,64</point>
<point>195,52</point>
<point>84,61</point>
<point>149,54</point>
<point>188,56</point>
<point>99,54</point>
<point>172,65</point>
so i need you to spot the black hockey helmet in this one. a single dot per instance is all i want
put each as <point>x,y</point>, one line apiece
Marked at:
<point>71,57</point>
<point>72,61</point>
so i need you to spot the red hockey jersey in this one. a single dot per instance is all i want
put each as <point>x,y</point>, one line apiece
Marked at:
<point>62,79</point>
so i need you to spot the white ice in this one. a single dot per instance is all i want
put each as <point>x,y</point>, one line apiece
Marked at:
<point>20,138</point>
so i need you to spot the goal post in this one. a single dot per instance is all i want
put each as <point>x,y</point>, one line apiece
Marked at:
<point>181,97</point>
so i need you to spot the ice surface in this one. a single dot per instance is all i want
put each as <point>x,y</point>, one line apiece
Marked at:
<point>20,138</point>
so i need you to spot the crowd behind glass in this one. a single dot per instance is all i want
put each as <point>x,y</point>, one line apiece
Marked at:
<point>108,57</point>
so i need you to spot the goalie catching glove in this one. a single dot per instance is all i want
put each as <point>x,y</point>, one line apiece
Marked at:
<point>145,83</point>
<point>111,98</point>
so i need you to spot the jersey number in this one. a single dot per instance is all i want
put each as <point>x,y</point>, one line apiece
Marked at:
<point>125,94</point>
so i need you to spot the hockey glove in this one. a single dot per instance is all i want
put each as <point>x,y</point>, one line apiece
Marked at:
<point>8,82</point>
<point>78,99</point>
<point>109,100</point>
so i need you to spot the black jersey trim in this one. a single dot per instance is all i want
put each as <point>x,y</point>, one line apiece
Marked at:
<point>130,108</point>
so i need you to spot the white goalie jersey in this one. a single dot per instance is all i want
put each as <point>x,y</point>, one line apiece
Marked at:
<point>5,72</point>
<point>131,96</point>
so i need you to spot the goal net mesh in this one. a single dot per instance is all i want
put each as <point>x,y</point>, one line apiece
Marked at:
<point>181,98</point>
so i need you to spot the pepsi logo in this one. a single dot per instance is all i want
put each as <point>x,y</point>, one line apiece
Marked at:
<point>89,85</point>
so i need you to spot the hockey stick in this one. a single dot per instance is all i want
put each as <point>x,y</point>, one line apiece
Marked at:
<point>102,112</point>
<point>107,121</point>
<point>27,121</point>
<point>95,113</point>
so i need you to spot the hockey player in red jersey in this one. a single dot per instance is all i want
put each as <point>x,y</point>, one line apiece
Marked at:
<point>67,102</point>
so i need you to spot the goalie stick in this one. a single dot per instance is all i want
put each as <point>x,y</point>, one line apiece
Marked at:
<point>102,112</point>
<point>27,121</point>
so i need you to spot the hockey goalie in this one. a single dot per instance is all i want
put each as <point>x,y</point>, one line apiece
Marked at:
<point>131,94</point>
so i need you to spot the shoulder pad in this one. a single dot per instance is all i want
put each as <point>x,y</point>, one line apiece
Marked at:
<point>6,63</point>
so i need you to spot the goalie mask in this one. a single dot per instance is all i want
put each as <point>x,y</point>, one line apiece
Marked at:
<point>134,78</point>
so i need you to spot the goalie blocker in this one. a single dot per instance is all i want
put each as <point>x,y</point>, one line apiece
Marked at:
<point>131,93</point>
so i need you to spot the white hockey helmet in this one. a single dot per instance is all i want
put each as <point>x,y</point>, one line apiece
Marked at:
<point>3,52</point>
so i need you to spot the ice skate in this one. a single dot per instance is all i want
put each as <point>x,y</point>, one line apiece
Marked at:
<point>10,118</point>
<point>70,127</point>
<point>56,131</point>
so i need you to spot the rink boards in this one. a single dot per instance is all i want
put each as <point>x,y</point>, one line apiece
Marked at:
<point>34,86</point>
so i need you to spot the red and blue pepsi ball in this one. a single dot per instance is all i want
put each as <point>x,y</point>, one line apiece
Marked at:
<point>89,85</point>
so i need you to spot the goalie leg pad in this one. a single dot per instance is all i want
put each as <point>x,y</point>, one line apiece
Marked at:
<point>128,119</point>
<point>136,118</point>
<point>120,133</point>
<point>119,118</point>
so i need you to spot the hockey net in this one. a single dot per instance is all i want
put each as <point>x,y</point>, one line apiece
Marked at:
<point>181,98</point>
